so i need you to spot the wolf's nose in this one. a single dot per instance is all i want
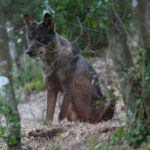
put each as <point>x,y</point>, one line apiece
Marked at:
<point>29,52</point>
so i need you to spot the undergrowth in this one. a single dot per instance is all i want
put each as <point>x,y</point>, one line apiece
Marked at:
<point>35,85</point>
<point>30,76</point>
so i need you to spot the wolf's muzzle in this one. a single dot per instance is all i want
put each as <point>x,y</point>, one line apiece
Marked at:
<point>29,52</point>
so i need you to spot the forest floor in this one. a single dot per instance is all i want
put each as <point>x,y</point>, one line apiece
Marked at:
<point>38,134</point>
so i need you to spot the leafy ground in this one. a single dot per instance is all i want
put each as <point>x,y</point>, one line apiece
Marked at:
<point>38,134</point>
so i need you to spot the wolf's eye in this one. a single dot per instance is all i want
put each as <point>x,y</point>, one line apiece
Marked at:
<point>40,38</point>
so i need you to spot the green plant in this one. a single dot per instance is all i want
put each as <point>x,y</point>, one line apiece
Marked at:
<point>35,85</point>
<point>117,136</point>
<point>12,115</point>
<point>31,70</point>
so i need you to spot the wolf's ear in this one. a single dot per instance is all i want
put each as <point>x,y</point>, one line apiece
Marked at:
<point>28,21</point>
<point>49,22</point>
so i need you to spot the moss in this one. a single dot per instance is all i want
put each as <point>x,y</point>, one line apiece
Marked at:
<point>35,85</point>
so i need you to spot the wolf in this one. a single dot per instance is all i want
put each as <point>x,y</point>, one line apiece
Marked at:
<point>66,71</point>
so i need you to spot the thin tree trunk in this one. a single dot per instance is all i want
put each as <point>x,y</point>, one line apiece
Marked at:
<point>143,18</point>
<point>7,92</point>
<point>121,56</point>
<point>131,88</point>
<point>15,57</point>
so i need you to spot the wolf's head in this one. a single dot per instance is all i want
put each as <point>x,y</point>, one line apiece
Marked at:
<point>41,36</point>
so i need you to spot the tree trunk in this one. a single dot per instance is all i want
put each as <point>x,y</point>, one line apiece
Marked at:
<point>7,92</point>
<point>143,18</point>
<point>15,57</point>
<point>121,56</point>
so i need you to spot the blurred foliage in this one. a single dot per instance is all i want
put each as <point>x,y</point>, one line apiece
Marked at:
<point>36,85</point>
<point>30,77</point>
<point>83,22</point>
<point>11,114</point>
<point>31,70</point>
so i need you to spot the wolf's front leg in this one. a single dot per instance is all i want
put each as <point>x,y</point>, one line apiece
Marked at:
<point>52,92</point>
<point>51,103</point>
<point>65,105</point>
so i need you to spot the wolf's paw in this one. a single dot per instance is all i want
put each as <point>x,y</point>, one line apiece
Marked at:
<point>61,121</point>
